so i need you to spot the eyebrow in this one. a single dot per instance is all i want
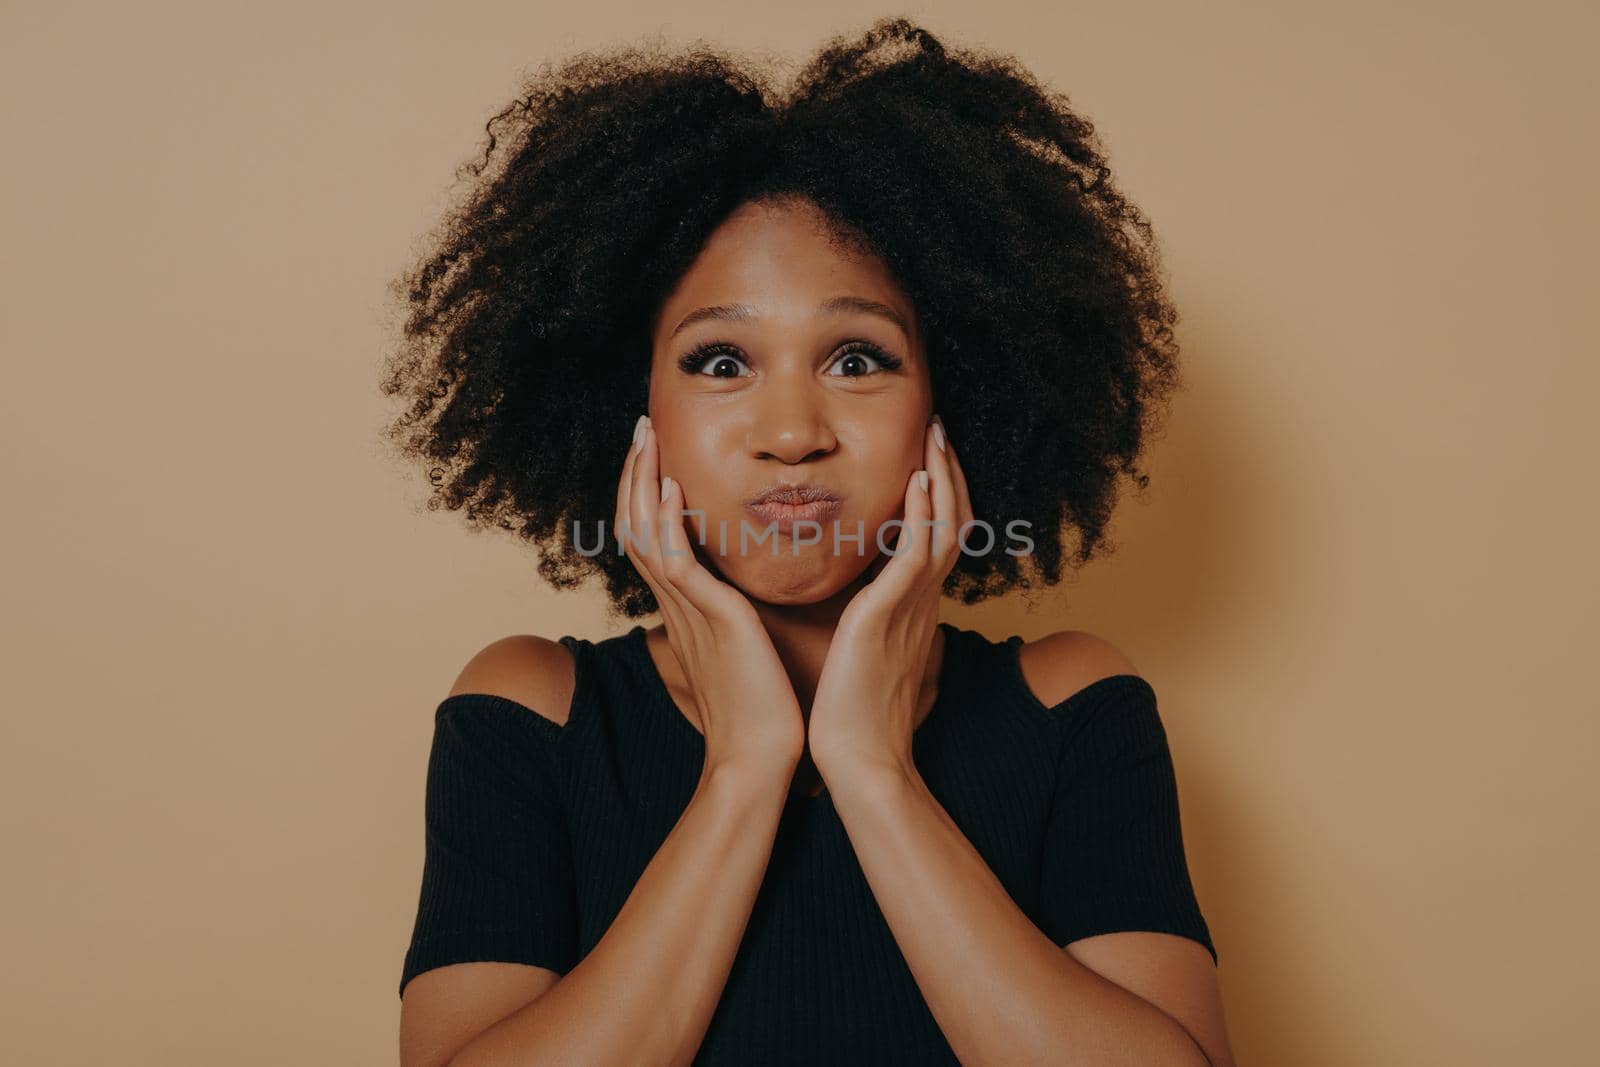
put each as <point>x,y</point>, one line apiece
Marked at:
<point>836,306</point>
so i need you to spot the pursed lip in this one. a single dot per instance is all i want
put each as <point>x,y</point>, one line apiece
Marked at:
<point>793,493</point>
<point>787,504</point>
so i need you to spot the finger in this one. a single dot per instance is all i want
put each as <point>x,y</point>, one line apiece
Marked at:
<point>643,508</point>
<point>698,592</point>
<point>675,571</point>
<point>959,478</point>
<point>692,590</point>
<point>681,567</point>
<point>675,609</point>
<point>644,494</point>
<point>910,557</point>
<point>634,538</point>
<point>625,487</point>
<point>941,485</point>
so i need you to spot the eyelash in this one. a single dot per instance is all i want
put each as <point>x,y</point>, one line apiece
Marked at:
<point>703,353</point>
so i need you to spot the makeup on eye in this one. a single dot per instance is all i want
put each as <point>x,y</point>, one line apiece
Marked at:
<point>713,352</point>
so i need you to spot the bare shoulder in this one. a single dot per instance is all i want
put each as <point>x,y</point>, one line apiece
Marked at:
<point>1060,664</point>
<point>534,671</point>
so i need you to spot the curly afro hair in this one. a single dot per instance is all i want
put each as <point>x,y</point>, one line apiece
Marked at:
<point>526,352</point>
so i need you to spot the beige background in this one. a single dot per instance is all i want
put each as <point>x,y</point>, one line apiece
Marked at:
<point>1362,581</point>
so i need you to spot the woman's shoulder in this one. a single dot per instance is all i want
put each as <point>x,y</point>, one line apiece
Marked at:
<point>1063,664</point>
<point>527,669</point>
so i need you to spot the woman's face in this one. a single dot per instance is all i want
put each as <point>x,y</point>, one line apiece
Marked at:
<point>773,362</point>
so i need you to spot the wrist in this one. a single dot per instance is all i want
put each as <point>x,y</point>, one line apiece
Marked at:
<point>749,777</point>
<point>867,771</point>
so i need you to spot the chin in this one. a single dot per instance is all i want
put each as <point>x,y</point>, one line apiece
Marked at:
<point>811,577</point>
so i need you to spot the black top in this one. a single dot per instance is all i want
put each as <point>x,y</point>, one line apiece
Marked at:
<point>537,833</point>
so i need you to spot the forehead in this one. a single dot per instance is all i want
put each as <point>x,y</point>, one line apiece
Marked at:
<point>784,262</point>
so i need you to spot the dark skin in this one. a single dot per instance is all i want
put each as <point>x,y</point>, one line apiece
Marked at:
<point>816,669</point>
<point>793,392</point>
<point>858,638</point>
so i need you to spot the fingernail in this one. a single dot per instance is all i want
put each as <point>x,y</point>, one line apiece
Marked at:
<point>922,476</point>
<point>666,484</point>
<point>938,435</point>
<point>638,429</point>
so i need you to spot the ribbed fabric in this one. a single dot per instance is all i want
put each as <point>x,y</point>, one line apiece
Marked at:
<point>537,833</point>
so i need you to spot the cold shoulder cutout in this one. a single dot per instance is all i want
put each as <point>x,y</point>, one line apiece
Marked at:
<point>532,671</point>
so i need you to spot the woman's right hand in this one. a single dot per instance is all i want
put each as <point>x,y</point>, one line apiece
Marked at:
<point>747,707</point>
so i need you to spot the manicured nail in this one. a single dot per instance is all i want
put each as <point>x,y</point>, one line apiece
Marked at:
<point>666,484</point>
<point>938,434</point>
<point>638,430</point>
<point>922,476</point>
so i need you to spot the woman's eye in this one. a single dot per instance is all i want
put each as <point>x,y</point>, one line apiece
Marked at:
<point>858,360</point>
<point>722,367</point>
<point>864,359</point>
<point>713,362</point>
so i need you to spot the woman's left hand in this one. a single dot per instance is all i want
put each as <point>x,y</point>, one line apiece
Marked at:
<point>867,699</point>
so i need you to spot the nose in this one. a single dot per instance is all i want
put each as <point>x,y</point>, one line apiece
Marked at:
<point>790,424</point>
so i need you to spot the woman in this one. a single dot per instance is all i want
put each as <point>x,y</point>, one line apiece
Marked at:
<point>801,820</point>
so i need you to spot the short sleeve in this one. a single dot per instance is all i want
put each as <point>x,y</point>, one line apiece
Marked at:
<point>1113,851</point>
<point>497,880</point>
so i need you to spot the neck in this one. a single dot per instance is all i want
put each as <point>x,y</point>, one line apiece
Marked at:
<point>803,633</point>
